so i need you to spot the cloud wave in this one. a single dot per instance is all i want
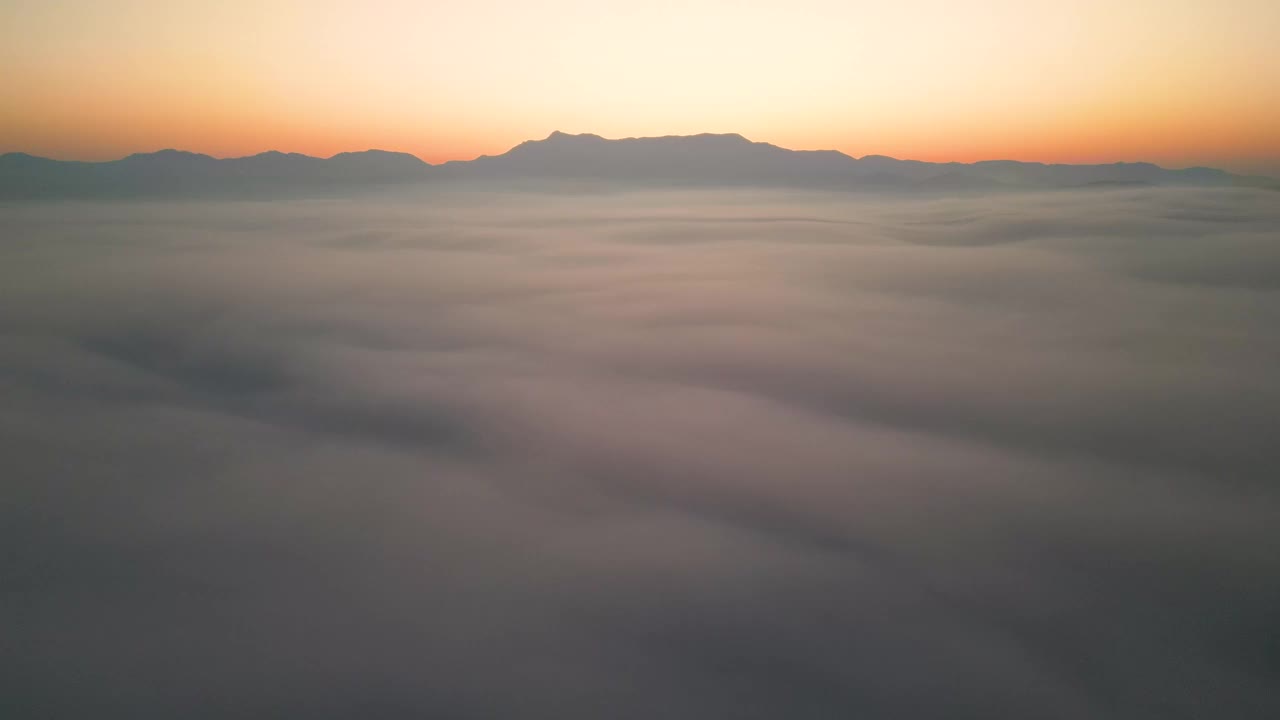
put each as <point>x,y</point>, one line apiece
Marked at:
<point>687,455</point>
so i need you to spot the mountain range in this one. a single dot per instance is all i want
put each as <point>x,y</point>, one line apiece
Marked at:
<point>560,159</point>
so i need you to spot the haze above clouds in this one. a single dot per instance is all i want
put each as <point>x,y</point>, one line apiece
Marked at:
<point>635,455</point>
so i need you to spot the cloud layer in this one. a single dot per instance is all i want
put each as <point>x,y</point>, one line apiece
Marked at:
<point>684,455</point>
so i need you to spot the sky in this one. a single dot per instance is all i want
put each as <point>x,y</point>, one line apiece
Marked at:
<point>1179,82</point>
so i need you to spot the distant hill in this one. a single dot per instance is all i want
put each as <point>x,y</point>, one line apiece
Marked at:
<point>581,160</point>
<point>183,174</point>
<point>672,160</point>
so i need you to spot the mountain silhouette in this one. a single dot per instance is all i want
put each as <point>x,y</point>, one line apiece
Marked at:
<point>706,159</point>
<point>580,160</point>
<point>180,173</point>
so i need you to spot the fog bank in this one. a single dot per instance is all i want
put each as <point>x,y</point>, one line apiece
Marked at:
<point>685,455</point>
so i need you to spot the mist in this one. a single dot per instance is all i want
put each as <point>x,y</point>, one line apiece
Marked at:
<point>697,454</point>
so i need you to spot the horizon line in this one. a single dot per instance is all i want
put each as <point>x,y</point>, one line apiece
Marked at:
<point>558,133</point>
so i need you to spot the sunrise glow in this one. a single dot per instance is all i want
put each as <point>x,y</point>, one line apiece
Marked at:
<point>1172,81</point>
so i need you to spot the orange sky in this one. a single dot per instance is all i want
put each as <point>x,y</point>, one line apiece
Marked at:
<point>1179,82</point>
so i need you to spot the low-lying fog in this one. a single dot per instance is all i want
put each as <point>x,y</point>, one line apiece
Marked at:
<point>653,455</point>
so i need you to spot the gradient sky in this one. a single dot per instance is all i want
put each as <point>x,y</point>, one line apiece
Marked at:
<point>1179,82</point>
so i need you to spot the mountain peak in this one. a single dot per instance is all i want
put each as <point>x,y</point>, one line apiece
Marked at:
<point>168,155</point>
<point>726,137</point>
<point>558,136</point>
<point>277,155</point>
<point>384,160</point>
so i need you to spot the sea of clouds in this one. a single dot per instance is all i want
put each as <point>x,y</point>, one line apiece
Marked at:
<point>643,455</point>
